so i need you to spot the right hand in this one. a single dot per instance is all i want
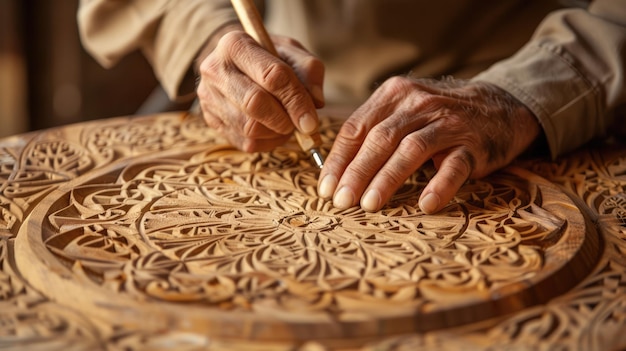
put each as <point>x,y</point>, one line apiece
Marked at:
<point>468,129</point>
<point>254,98</point>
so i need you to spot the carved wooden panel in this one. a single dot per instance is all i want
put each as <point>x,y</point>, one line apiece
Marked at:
<point>151,233</point>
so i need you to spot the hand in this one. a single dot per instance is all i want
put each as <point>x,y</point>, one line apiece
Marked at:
<point>255,98</point>
<point>468,130</point>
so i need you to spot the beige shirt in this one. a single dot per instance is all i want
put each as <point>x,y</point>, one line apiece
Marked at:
<point>570,72</point>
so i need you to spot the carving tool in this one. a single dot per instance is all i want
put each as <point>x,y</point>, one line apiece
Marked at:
<point>253,25</point>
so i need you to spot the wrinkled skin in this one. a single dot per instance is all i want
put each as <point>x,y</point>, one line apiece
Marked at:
<point>256,99</point>
<point>467,129</point>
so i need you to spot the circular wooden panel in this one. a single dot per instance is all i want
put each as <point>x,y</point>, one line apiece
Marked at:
<point>240,246</point>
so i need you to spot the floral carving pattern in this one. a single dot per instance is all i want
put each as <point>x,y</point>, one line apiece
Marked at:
<point>153,209</point>
<point>239,231</point>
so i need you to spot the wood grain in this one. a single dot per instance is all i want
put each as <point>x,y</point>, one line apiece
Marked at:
<point>157,225</point>
<point>130,252</point>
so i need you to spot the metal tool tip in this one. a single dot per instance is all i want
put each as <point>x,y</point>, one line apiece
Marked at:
<point>317,157</point>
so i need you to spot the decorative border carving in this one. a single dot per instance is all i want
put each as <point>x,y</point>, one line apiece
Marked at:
<point>586,316</point>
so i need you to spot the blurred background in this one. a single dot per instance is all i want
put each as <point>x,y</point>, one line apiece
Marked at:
<point>47,79</point>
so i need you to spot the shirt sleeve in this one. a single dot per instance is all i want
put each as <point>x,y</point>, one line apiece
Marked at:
<point>170,33</point>
<point>571,73</point>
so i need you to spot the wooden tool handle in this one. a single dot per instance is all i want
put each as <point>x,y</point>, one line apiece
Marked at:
<point>253,23</point>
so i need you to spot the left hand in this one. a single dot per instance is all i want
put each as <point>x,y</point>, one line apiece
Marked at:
<point>468,129</point>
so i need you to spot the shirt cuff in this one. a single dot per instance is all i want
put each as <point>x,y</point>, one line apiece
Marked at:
<point>545,79</point>
<point>180,37</point>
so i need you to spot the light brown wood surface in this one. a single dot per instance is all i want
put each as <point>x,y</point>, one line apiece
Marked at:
<point>152,233</point>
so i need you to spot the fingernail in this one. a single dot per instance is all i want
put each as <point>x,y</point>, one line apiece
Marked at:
<point>344,198</point>
<point>371,200</point>
<point>429,203</point>
<point>308,123</point>
<point>318,93</point>
<point>327,186</point>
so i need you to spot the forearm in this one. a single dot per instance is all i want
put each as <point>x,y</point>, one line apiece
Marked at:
<point>571,74</point>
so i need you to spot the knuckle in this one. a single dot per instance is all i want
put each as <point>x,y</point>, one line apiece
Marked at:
<point>230,45</point>
<point>352,132</point>
<point>415,144</point>
<point>396,85</point>
<point>397,82</point>
<point>249,128</point>
<point>211,68</point>
<point>257,105</point>
<point>420,99</point>
<point>383,137</point>
<point>276,76</point>
<point>462,163</point>
<point>233,41</point>
<point>434,104</point>
<point>229,38</point>
<point>312,64</point>
<point>252,100</point>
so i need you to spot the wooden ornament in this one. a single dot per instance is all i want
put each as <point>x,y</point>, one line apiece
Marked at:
<point>152,231</point>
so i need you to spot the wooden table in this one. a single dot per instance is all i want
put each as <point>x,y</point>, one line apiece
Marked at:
<point>152,233</point>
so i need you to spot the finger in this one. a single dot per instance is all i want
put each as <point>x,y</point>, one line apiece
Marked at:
<point>454,170</point>
<point>266,141</point>
<point>308,68</point>
<point>377,149</point>
<point>412,152</point>
<point>390,153</point>
<point>352,135</point>
<point>221,71</point>
<point>244,133</point>
<point>345,148</point>
<point>276,78</point>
